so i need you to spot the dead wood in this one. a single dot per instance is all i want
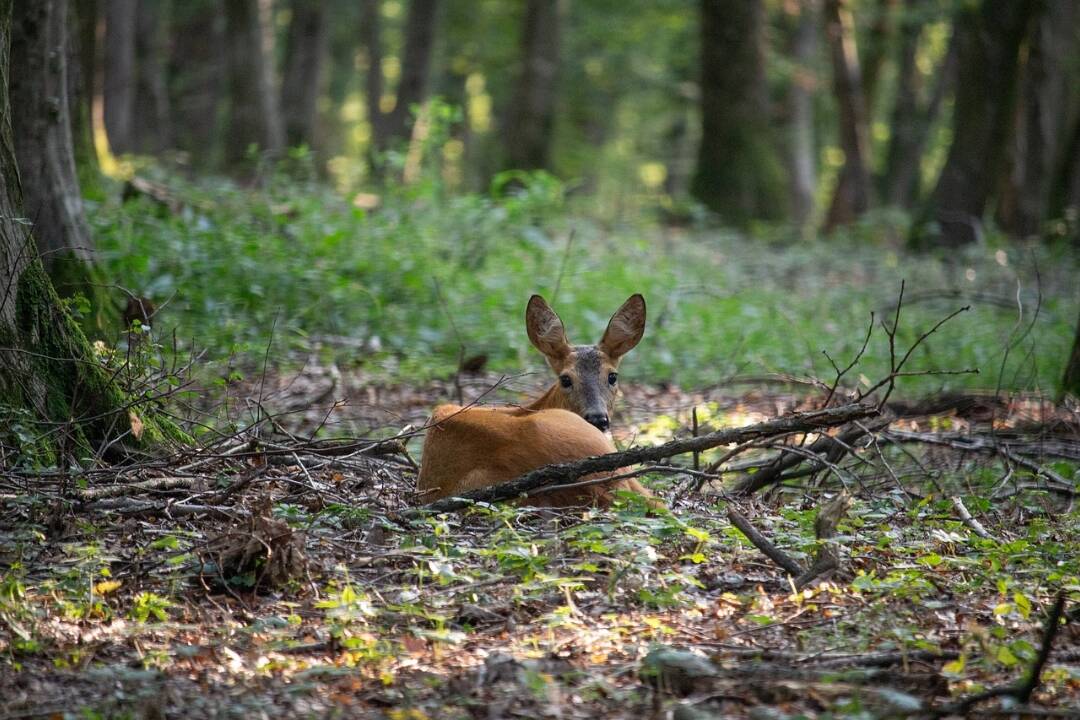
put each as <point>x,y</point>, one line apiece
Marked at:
<point>261,556</point>
<point>571,471</point>
<point>763,544</point>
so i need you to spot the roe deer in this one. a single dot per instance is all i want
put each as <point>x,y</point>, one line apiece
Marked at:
<point>476,447</point>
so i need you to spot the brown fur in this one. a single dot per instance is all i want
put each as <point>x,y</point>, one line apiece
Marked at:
<point>471,448</point>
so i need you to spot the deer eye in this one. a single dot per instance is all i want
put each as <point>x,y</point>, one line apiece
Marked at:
<point>612,378</point>
<point>566,381</point>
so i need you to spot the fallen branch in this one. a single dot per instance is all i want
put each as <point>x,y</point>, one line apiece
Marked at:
<point>520,487</point>
<point>763,543</point>
<point>968,519</point>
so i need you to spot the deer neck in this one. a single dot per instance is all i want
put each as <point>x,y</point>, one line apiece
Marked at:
<point>553,399</point>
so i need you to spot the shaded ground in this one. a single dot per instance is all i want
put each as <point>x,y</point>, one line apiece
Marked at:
<point>132,592</point>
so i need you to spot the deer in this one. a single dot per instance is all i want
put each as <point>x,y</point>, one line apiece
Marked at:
<point>468,448</point>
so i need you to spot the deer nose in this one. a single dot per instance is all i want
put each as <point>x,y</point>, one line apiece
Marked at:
<point>597,420</point>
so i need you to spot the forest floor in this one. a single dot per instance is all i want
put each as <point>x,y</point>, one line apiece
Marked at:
<point>269,576</point>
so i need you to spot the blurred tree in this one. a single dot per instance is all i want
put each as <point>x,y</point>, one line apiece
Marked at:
<point>1065,198</point>
<point>989,37</point>
<point>370,28</point>
<point>40,117</point>
<point>420,25</point>
<point>1049,90</point>
<point>531,119</point>
<point>120,26</point>
<point>254,114</point>
<point>804,51</point>
<point>153,131</point>
<point>912,114</point>
<point>739,174</point>
<point>305,51</point>
<point>83,79</point>
<point>197,77</point>
<point>852,195</point>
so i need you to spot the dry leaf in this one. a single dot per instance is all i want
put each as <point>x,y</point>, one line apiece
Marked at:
<point>136,425</point>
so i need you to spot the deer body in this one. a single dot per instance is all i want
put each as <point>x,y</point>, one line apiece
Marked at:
<point>471,448</point>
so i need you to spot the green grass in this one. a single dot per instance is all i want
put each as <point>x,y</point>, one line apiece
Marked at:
<point>298,261</point>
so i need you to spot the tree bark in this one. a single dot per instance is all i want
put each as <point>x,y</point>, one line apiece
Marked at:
<point>48,371</point>
<point>305,50</point>
<point>254,116</point>
<point>153,131</point>
<point>739,173</point>
<point>1043,119</point>
<point>989,38</point>
<point>120,26</point>
<point>415,70</point>
<point>803,85</point>
<point>197,80</point>
<point>852,195</point>
<point>531,120</point>
<point>41,120</point>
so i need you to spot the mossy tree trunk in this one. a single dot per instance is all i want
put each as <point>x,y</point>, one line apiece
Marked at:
<point>739,172</point>
<point>49,377</point>
<point>41,120</point>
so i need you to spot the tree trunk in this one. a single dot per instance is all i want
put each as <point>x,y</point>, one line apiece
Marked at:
<point>82,85</point>
<point>912,115</point>
<point>1043,119</point>
<point>370,34</point>
<point>1066,194</point>
<point>254,117</point>
<point>739,172</point>
<point>852,195</point>
<point>197,72</point>
<point>40,118</point>
<point>153,131</point>
<point>120,25</point>
<point>48,372</point>
<point>803,85</point>
<point>531,119</point>
<point>989,38</point>
<point>415,70</point>
<point>305,49</point>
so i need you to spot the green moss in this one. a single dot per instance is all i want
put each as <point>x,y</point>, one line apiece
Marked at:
<point>73,277</point>
<point>78,390</point>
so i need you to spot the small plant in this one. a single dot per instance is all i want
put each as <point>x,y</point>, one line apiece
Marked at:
<point>147,606</point>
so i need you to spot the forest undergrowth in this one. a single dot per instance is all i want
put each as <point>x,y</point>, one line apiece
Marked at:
<point>920,560</point>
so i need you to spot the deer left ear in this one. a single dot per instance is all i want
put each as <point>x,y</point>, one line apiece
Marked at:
<point>625,329</point>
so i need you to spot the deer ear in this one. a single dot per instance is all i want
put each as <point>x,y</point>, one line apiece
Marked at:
<point>545,329</point>
<point>625,328</point>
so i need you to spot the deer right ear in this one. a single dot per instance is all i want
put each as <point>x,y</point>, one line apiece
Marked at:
<point>546,331</point>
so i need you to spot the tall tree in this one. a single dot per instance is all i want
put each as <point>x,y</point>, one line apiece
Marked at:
<point>739,173</point>
<point>852,195</point>
<point>41,120</point>
<point>120,27</point>
<point>1049,88</point>
<point>305,50</point>
<point>197,71</point>
<point>254,114</point>
<point>989,37</point>
<point>83,79</point>
<point>370,38</point>
<point>420,25</point>
<point>914,111</point>
<point>804,50</point>
<point>153,131</point>
<point>531,119</point>
<point>47,367</point>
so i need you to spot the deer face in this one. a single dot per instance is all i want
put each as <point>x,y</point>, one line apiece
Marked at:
<point>588,374</point>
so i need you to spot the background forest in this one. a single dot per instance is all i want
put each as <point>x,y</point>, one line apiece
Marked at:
<point>247,245</point>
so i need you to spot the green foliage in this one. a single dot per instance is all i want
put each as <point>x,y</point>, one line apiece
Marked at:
<point>291,262</point>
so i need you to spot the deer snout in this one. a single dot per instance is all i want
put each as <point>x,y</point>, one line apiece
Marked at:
<point>598,420</point>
